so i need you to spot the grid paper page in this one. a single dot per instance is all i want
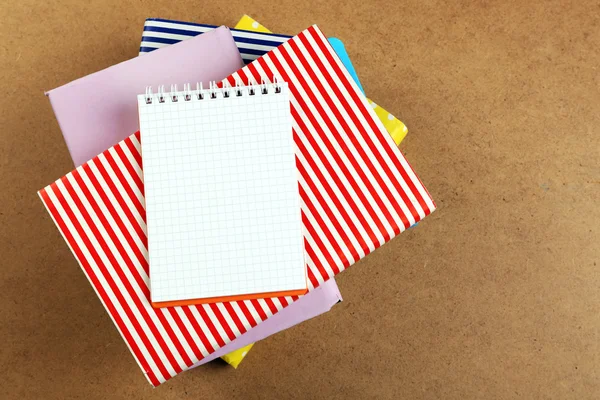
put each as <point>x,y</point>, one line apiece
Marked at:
<point>222,201</point>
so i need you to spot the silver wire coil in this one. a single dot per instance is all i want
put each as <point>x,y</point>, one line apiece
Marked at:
<point>214,91</point>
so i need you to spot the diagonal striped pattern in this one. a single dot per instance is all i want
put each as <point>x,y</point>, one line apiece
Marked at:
<point>357,192</point>
<point>162,32</point>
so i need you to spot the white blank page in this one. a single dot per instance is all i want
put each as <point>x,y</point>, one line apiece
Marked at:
<point>222,202</point>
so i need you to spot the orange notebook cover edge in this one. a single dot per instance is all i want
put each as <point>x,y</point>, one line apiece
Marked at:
<point>222,299</point>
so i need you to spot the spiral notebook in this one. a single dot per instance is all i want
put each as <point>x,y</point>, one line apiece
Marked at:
<point>222,202</point>
<point>357,191</point>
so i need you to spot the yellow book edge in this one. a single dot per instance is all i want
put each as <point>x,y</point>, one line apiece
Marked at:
<point>235,357</point>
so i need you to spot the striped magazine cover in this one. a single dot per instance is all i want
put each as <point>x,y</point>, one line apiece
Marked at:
<point>357,192</point>
<point>163,32</point>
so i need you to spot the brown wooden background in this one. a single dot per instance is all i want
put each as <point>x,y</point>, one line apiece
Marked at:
<point>496,295</point>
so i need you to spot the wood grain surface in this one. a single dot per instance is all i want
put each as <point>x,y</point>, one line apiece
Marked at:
<point>494,296</point>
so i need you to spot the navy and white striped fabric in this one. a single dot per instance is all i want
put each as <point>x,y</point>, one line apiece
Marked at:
<point>163,32</point>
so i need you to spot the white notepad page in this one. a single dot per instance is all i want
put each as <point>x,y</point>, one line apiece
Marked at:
<point>222,202</point>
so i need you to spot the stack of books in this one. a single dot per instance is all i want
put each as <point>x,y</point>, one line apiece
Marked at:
<point>222,180</point>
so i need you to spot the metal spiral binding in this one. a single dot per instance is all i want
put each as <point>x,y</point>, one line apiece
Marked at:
<point>214,91</point>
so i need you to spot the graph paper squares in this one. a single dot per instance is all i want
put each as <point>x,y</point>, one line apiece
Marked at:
<point>222,202</point>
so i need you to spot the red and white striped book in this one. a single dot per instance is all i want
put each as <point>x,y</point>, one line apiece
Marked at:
<point>357,192</point>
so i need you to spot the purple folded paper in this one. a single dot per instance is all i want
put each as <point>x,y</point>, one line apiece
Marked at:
<point>99,110</point>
